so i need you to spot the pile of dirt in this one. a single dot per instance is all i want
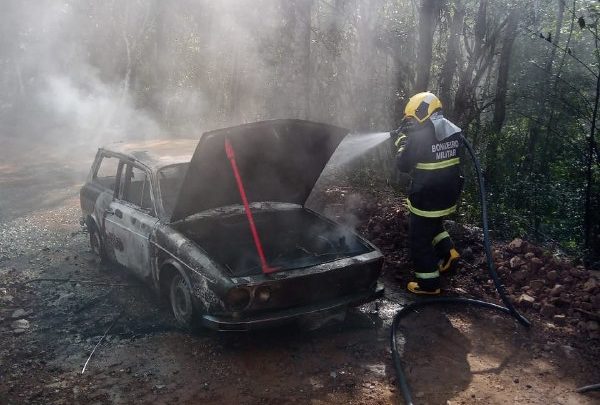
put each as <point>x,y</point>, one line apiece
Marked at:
<point>552,287</point>
<point>543,285</point>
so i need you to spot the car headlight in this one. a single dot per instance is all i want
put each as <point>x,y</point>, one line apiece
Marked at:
<point>263,294</point>
<point>238,298</point>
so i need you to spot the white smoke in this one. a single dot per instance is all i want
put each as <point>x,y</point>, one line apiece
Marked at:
<point>93,112</point>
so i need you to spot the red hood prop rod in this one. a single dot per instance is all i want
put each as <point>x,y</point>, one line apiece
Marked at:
<point>266,269</point>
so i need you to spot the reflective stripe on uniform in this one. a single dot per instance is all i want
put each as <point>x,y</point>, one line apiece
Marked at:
<point>424,276</point>
<point>401,149</point>
<point>400,138</point>
<point>438,165</point>
<point>439,237</point>
<point>430,214</point>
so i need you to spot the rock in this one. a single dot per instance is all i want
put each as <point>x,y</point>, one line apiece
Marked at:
<point>595,301</point>
<point>18,313</point>
<point>516,245</point>
<point>7,298</point>
<point>63,297</point>
<point>559,320</point>
<point>552,275</point>
<point>535,264</point>
<point>559,302</point>
<point>590,285</point>
<point>592,326</point>
<point>568,350</point>
<point>516,262</point>
<point>377,229</point>
<point>576,273</point>
<point>19,331</point>
<point>557,290</point>
<point>548,310</point>
<point>536,285</point>
<point>20,324</point>
<point>525,300</point>
<point>519,276</point>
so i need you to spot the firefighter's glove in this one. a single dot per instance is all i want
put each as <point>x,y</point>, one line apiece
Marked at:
<point>399,139</point>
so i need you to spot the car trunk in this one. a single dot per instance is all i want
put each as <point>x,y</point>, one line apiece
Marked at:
<point>291,239</point>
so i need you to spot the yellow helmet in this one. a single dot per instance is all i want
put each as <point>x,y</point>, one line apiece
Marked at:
<point>421,106</point>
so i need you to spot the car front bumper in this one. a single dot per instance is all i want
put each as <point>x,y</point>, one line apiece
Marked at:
<point>230,324</point>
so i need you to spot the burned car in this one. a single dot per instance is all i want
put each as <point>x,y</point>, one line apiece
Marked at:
<point>218,226</point>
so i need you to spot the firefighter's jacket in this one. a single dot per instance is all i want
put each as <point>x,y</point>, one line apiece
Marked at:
<point>434,166</point>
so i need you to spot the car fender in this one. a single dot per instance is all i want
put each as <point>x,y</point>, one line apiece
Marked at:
<point>204,297</point>
<point>92,222</point>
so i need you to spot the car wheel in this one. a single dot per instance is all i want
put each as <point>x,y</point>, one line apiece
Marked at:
<point>96,244</point>
<point>181,302</point>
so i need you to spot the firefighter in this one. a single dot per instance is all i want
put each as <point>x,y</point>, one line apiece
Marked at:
<point>429,149</point>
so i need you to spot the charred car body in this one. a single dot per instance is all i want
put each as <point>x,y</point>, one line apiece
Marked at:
<point>170,211</point>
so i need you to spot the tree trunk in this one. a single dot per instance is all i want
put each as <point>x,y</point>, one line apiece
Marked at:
<point>452,53</point>
<point>587,226</point>
<point>462,100</point>
<point>295,59</point>
<point>503,70</point>
<point>557,77</point>
<point>427,20</point>
<point>534,132</point>
<point>304,12</point>
<point>588,223</point>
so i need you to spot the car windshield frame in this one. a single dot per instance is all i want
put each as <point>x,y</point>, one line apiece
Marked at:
<point>171,195</point>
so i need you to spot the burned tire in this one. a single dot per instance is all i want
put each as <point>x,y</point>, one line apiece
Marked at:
<point>96,243</point>
<point>182,305</point>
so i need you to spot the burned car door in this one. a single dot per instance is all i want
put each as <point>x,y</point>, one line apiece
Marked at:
<point>130,220</point>
<point>98,192</point>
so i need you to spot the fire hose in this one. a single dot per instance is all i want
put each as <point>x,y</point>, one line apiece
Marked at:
<point>508,309</point>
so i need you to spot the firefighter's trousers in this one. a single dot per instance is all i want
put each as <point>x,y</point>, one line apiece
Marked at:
<point>429,243</point>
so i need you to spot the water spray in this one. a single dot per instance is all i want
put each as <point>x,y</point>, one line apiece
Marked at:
<point>356,145</point>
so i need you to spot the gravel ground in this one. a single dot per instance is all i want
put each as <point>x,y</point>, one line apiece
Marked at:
<point>49,329</point>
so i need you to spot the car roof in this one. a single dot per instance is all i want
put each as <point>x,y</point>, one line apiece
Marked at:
<point>156,153</point>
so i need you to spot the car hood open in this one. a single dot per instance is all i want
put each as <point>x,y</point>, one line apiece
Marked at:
<point>278,160</point>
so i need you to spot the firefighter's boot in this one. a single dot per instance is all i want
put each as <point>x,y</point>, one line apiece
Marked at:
<point>426,284</point>
<point>450,262</point>
<point>414,288</point>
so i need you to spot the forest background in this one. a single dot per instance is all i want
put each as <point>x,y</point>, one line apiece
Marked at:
<point>522,78</point>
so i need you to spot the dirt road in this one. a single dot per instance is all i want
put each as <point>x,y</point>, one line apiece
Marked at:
<point>453,357</point>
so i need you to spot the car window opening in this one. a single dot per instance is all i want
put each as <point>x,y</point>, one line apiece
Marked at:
<point>106,173</point>
<point>136,188</point>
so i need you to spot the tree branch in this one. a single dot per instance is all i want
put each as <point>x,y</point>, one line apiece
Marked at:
<point>536,35</point>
